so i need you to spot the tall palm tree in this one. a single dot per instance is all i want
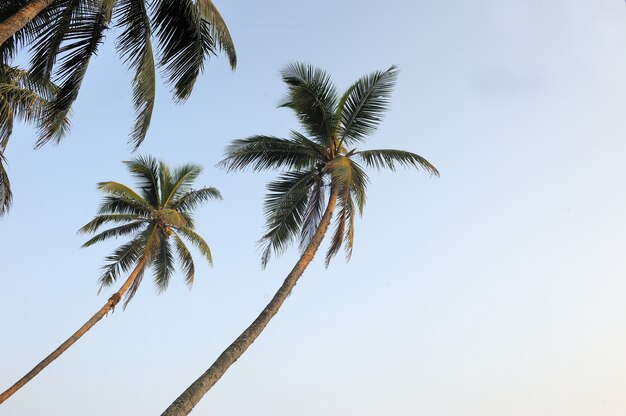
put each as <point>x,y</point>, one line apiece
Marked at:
<point>157,217</point>
<point>325,179</point>
<point>25,99</point>
<point>65,34</point>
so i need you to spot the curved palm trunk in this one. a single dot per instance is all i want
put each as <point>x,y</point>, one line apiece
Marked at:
<point>194,393</point>
<point>19,19</point>
<point>109,306</point>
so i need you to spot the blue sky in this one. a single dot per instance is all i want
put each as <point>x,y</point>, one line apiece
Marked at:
<point>495,289</point>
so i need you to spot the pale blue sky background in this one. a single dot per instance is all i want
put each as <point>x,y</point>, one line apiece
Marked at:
<point>497,289</point>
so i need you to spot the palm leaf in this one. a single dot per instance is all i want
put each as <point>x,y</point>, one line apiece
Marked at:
<point>119,231</point>
<point>193,198</point>
<point>267,152</point>
<point>163,263</point>
<point>135,48</point>
<point>179,182</point>
<point>93,225</point>
<point>6,196</point>
<point>285,208</point>
<point>363,107</point>
<point>123,258</point>
<point>387,158</point>
<point>85,35</point>
<point>185,259</point>
<point>185,41</point>
<point>313,212</point>
<point>146,170</point>
<point>313,97</point>
<point>218,29</point>
<point>197,241</point>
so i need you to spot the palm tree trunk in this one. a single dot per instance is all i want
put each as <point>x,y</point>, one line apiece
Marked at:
<point>19,19</point>
<point>109,306</point>
<point>194,393</point>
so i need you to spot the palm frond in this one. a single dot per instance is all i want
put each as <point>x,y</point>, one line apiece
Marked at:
<point>85,34</point>
<point>193,198</point>
<point>146,170</point>
<point>364,104</point>
<point>313,212</point>
<point>135,47</point>
<point>185,259</point>
<point>313,97</point>
<point>285,209</point>
<point>179,183</point>
<point>388,158</point>
<point>115,232</point>
<point>123,258</point>
<point>6,121</point>
<point>219,30</point>
<point>163,263</point>
<point>267,152</point>
<point>185,42</point>
<point>341,219</point>
<point>197,241</point>
<point>6,196</point>
<point>93,225</point>
<point>118,205</point>
<point>123,191</point>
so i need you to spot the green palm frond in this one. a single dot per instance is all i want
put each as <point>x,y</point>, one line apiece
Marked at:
<point>218,30</point>
<point>85,34</point>
<point>179,183</point>
<point>193,198</point>
<point>123,258</point>
<point>388,158</point>
<point>313,97</point>
<point>146,170</point>
<point>364,105</point>
<point>115,232</point>
<point>93,225</point>
<point>123,191</point>
<point>185,42</point>
<point>6,196</point>
<point>118,205</point>
<point>197,241</point>
<point>268,152</point>
<point>341,218</point>
<point>163,263</point>
<point>313,212</point>
<point>6,121</point>
<point>135,47</point>
<point>285,209</point>
<point>185,259</point>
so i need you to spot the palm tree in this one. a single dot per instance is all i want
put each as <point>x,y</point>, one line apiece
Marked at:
<point>25,99</point>
<point>65,34</point>
<point>157,217</point>
<point>324,174</point>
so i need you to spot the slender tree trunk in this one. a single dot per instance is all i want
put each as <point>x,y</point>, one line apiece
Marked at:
<point>19,19</point>
<point>194,393</point>
<point>109,306</point>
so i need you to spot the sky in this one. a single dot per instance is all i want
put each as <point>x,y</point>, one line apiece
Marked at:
<point>496,289</point>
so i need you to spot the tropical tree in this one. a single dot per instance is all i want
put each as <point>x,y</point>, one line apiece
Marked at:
<point>25,99</point>
<point>156,218</point>
<point>65,34</point>
<point>324,179</point>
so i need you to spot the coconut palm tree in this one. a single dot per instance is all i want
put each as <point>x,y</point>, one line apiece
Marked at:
<point>25,99</point>
<point>65,34</point>
<point>324,179</point>
<point>156,218</point>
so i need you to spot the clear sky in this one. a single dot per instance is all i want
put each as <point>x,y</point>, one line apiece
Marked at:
<point>497,289</point>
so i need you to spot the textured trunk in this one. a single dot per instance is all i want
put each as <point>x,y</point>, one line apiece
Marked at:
<point>19,19</point>
<point>110,305</point>
<point>194,393</point>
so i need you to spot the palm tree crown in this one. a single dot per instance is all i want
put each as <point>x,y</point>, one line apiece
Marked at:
<point>323,157</point>
<point>67,33</point>
<point>157,217</point>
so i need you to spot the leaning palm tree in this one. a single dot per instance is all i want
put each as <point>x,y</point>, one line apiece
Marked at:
<point>25,99</point>
<point>325,179</point>
<point>157,217</point>
<point>65,34</point>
